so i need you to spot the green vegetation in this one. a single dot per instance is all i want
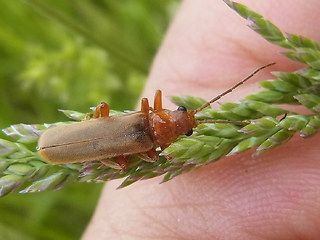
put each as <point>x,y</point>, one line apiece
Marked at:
<point>62,55</point>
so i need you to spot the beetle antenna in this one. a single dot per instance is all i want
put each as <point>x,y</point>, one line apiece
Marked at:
<point>232,88</point>
<point>239,123</point>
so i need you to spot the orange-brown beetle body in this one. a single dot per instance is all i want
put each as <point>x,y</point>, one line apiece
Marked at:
<point>116,136</point>
<point>120,136</point>
<point>96,139</point>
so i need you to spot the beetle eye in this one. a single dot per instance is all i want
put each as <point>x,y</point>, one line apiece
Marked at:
<point>182,108</point>
<point>189,133</point>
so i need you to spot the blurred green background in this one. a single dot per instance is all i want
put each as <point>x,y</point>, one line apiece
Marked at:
<point>70,55</point>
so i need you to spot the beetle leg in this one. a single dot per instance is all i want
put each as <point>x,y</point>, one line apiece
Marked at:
<point>145,105</point>
<point>122,161</point>
<point>88,116</point>
<point>149,156</point>
<point>158,100</point>
<point>110,164</point>
<point>102,109</point>
<point>164,146</point>
<point>153,155</point>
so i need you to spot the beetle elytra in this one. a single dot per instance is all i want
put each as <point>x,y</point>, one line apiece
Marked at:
<point>121,136</point>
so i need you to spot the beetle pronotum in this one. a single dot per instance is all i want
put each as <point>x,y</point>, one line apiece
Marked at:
<point>118,137</point>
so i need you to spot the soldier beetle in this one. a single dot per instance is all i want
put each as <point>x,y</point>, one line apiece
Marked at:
<point>121,136</point>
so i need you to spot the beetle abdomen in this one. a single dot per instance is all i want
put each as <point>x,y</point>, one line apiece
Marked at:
<point>96,139</point>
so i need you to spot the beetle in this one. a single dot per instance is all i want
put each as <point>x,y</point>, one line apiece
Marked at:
<point>139,133</point>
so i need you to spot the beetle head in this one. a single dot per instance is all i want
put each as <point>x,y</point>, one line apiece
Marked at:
<point>167,125</point>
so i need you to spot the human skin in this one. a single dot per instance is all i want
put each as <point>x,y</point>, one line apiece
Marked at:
<point>208,49</point>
